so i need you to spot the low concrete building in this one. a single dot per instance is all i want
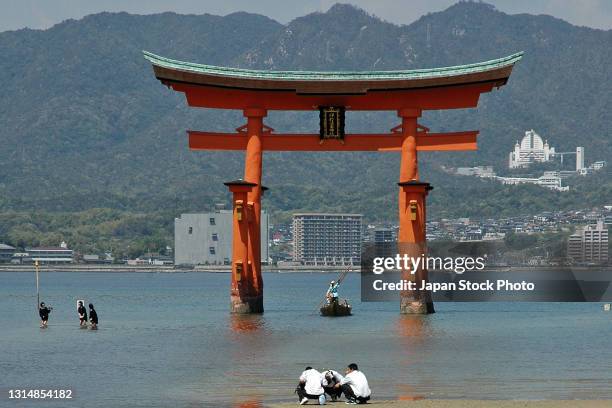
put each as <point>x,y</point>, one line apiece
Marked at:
<point>50,255</point>
<point>98,259</point>
<point>549,179</point>
<point>6,253</point>
<point>479,171</point>
<point>206,238</point>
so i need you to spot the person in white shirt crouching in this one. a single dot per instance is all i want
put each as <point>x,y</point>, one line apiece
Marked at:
<point>311,386</point>
<point>355,386</point>
<point>332,378</point>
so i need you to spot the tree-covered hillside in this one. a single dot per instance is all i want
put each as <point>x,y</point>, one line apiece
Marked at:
<point>84,124</point>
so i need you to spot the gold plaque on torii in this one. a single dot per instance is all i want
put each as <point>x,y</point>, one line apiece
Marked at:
<point>331,122</point>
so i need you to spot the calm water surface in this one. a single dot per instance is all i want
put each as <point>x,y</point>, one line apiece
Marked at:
<point>168,340</point>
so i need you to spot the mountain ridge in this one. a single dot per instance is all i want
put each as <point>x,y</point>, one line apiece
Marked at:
<point>86,122</point>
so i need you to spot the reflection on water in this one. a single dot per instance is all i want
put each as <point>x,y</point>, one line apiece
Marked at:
<point>248,404</point>
<point>168,340</point>
<point>413,326</point>
<point>247,323</point>
<point>408,393</point>
<point>247,335</point>
<point>413,332</point>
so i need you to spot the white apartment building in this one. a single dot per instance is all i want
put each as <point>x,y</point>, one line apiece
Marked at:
<point>327,239</point>
<point>589,244</point>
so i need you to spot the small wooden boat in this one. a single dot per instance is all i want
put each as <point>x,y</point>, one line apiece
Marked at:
<point>339,308</point>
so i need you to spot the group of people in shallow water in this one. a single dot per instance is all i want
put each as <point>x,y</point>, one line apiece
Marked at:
<point>315,385</point>
<point>44,310</point>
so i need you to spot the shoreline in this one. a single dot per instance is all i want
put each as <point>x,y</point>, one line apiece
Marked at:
<point>164,269</point>
<point>122,268</point>
<point>426,403</point>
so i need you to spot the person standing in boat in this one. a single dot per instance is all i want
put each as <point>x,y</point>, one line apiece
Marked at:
<point>93,317</point>
<point>82,314</point>
<point>332,292</point>
<point>43,312</point>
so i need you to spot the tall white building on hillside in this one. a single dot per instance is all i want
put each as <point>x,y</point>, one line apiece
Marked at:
<point>531,149</point>
<point>579,158</point>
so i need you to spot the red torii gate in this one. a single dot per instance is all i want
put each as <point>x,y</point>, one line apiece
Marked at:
<point>256,92</point>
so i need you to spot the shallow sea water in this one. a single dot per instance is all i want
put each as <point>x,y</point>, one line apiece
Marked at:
<point>168,340</point>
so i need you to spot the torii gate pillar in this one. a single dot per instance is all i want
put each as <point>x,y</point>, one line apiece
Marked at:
<point>247,284</point>
<point>412,239</point>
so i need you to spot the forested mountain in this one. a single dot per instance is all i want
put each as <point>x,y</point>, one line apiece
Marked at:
<point>84,123</point>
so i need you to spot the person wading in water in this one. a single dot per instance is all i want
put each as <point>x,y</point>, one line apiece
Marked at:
<point>93,317</point>
<point>43,312</point>
<point>82,314</point>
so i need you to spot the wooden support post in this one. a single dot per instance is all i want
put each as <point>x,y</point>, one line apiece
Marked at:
<point>241,295</point>
<point>412,215</point>
<point>252,174</point>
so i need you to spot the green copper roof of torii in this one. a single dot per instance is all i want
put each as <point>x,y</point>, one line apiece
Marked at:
<point>333,75</point>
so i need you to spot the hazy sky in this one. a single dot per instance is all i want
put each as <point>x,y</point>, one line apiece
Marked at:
<point>15,14</point>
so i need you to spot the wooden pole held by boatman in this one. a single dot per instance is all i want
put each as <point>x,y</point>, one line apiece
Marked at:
<point>37,287</point>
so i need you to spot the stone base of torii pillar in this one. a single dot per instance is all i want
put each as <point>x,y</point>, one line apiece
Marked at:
<point>412,242</point>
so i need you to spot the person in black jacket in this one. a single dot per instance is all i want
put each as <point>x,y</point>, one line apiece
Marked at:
<point>93,317</point>
<point>333,377</point>
<point>82,314</point>
<point>43,312</point>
